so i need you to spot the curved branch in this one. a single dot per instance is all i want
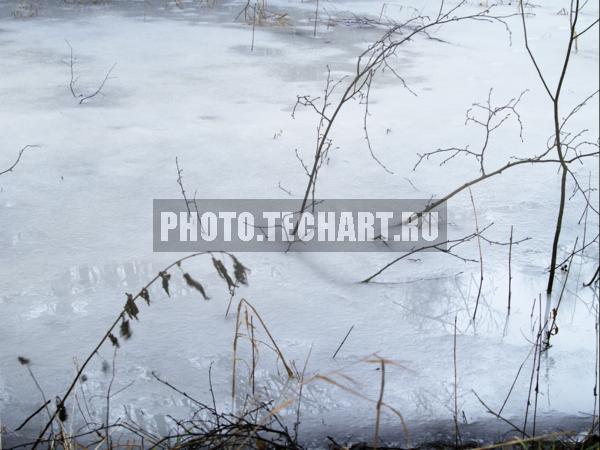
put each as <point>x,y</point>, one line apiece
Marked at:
<point>10,169</point>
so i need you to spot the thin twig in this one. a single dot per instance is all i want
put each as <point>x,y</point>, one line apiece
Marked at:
<point>510,268</point>
<point>35,413</point>
<point>342,343</point>
<point>10,169</point>
<point>480,255</point>
<point>379,404</point>
<point>100,87</point>
<point>457,438</point>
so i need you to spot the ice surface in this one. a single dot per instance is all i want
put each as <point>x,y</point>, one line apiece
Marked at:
<point>75,215</point>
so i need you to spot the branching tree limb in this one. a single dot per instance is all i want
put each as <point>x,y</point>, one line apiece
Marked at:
<point>447,247</point>
<point>74,78</point>
<point>98,90</point>
<point>491,118</point>
<point>554,95</point>
<point>372,61</point>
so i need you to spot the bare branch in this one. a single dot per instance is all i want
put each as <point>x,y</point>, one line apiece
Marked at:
<point>10,169</point>
<point>100,87</point>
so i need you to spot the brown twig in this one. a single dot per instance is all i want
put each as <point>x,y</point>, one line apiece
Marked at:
<point>379,403</point>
